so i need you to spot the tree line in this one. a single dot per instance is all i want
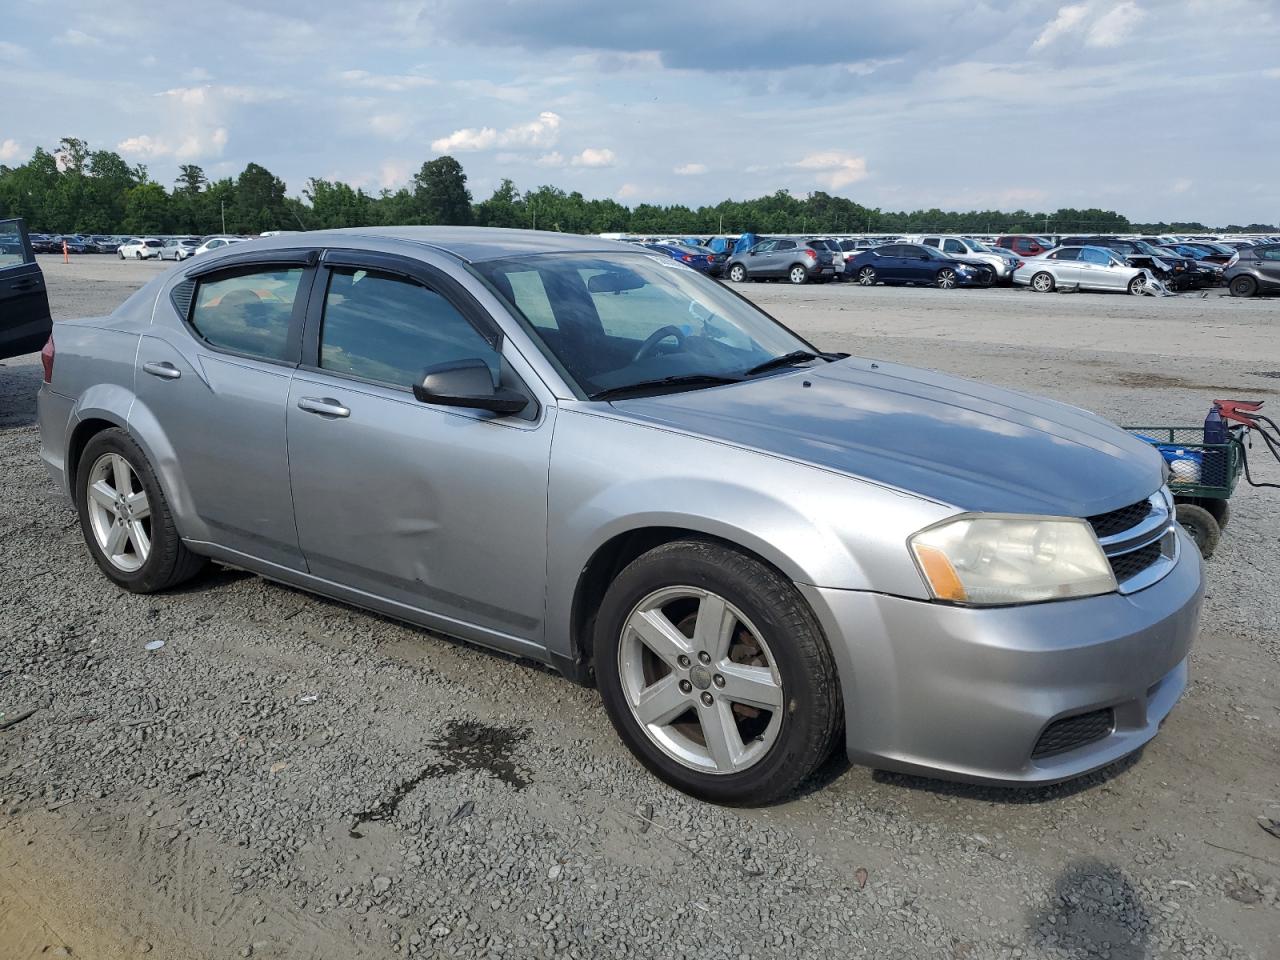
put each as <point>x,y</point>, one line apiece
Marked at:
<point>76,189</point>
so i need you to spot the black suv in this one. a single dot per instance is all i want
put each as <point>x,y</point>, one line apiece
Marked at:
<point>1254,270</point>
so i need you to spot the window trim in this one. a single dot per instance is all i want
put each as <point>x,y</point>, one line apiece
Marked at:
<point>257,261</point>
<point>433,279</point>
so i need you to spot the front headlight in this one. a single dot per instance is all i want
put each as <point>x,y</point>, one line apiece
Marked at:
<point>990,560</point>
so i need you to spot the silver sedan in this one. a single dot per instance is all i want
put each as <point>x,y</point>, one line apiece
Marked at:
<point>579,452</point>
<point>1083,268</point>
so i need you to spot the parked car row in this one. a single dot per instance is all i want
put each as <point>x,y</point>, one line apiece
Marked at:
<point>131,247</point>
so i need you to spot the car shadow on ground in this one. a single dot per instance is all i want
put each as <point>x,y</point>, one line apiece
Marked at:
<point>1095,911</point>
<point>18,388</point>
<point>1011,795</point>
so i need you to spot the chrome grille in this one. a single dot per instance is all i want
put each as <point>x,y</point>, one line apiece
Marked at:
<point>1139,540</point>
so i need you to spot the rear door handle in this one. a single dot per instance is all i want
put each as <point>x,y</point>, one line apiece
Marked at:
<point>28,284</point>
<point>162,369</point>
<point>323,406</point>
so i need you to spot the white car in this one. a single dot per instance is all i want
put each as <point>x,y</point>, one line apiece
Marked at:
<point>215,243</point>
<point>147,248</point>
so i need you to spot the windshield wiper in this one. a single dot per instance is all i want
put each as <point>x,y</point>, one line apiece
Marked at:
<point>686,380</point>
<point>786,360</point>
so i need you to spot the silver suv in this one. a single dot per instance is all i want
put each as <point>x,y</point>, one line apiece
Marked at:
<point>798,261</point>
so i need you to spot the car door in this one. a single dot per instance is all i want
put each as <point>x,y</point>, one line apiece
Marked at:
<point>25,322</point>
<point>212,384</point>
<point>888,262</point>
<point>438,510</point>
<point>915,264</point>
<point>1093,269</point>
<point>781,257</point>
<point>758,258</point>
<point>1268,261</point>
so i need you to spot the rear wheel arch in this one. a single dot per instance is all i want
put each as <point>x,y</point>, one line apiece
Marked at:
<point>84,431</point>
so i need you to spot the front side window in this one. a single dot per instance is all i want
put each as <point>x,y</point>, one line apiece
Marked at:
<point>12,250</point>
<point>954,246</point>
<point>248,311</point>
<point>390,329</point>
<point>626,318</point>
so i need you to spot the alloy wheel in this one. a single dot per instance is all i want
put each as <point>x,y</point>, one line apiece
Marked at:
<point>946,279</point>
<point>119,512</point>
<point>799,275</point>
<point>867,277</point>
<point>700,680</point>
<point>1042,283</point>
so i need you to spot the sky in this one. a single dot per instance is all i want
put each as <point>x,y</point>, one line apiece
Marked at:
<point>1160,109</point>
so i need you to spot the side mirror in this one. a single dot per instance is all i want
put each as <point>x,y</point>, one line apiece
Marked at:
<point>467,383</point>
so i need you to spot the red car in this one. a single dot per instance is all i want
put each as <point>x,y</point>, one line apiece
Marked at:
<point>1026,246</point>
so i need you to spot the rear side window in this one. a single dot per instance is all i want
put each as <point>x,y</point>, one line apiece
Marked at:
<point>1269,253</point>
<point>1094,255</point>
<point>248,312</point>
<point>389,329</point>
<point>1071,253</point>
<point>786,244</point>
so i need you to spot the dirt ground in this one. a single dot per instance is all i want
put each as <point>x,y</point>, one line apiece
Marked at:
<point>290,777</point>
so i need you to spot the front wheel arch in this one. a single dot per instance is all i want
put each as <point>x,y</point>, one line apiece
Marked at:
<point>609,560</point>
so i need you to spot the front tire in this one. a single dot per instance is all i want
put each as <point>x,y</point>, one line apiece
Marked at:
<point>121,252</point>
<point>1137,286</point>
<point>798,275</point>
<point>946,279</point>
<point>737,273</point>
<point>716,674</point>
<point>125,517</point>
<point>1243,287</point>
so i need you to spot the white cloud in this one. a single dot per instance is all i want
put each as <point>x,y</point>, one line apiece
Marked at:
<point>192,146</point>
<point>9,150</point>
<point>1102,23</point>
<point>78,38</point>
<point>390,125</point>
<point>394,173</point>
<point>541,132</point>
<point>1113,27</point>
<point>627,191</point>
<point>391,83</point>
<point>690,169</point>
<point>835,168</point>
<point>1272,74</point>
<point>553,159</point>
<point>197,75</point>
<point>595,157</point>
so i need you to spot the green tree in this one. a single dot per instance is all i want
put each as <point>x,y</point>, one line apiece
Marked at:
<point>147,209</point>
<point>259,203</point>
<point>191,178</point>
<point>504,209</point>
<point>440,192</point>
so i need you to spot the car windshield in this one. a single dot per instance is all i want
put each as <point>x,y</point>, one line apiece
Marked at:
<point>977,246</point>
<point>1148,249</point>
<point>615,320</point>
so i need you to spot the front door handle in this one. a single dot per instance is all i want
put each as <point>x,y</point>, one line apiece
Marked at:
<point>323,406</point>
<point>162,369</point>
<point>28,284</point>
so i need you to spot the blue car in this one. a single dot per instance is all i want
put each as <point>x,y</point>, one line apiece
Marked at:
<point>701,260</point>
<point>915,263</point>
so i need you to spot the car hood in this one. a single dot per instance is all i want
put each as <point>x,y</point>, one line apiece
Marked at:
<point>951,440</point>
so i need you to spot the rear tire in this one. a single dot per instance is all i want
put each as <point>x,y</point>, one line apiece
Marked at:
<point>1043,282</point>
<point>798,275</point>
<point>1200,526</point>
<point>1243,287</point>
<point>758,616</point>
<point>167,561</point>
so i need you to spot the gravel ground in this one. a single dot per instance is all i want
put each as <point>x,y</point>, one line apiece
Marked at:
<point>290,777</point>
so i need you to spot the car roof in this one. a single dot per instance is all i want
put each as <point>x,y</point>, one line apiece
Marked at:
<point>472,244</point>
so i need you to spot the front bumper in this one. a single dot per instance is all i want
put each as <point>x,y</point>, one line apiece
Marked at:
<point>966,693</point>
